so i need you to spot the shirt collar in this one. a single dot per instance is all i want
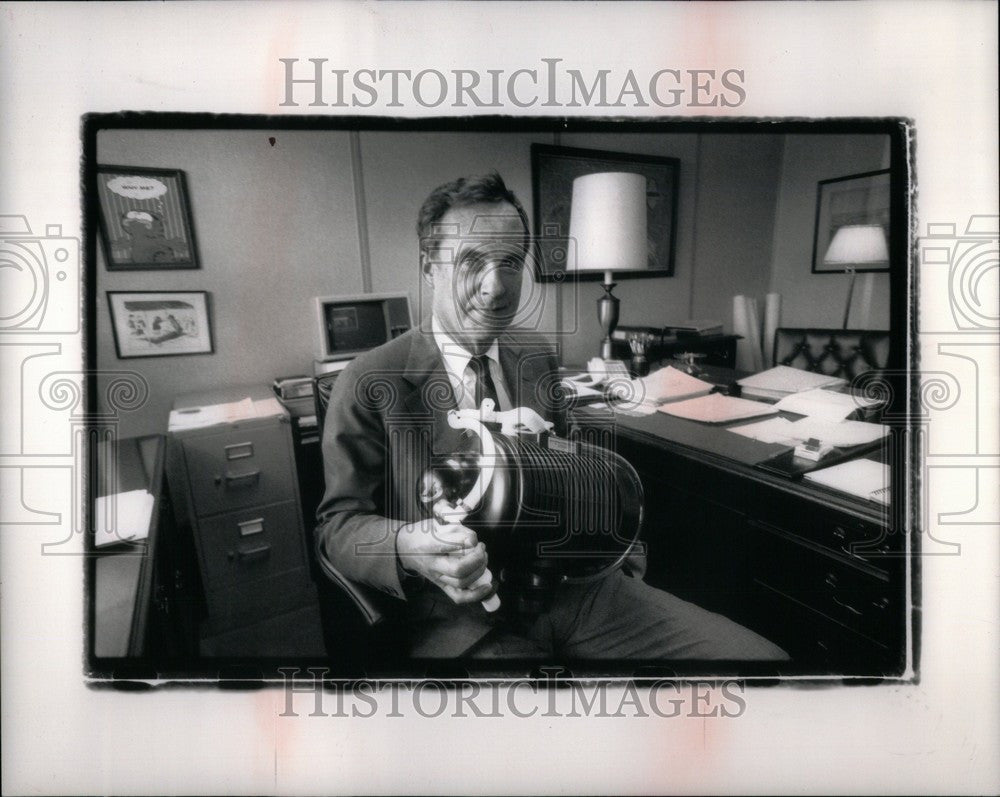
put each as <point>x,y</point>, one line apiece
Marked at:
<point>456,357</point>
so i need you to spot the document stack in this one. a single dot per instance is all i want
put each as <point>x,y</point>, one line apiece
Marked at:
<point>782,381</point>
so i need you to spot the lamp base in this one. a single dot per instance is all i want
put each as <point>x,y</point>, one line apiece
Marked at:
<point>607,314</point>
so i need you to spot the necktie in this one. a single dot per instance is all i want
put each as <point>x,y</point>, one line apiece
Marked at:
<point>485,388</point>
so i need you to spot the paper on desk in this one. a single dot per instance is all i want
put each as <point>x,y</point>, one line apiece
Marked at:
<point>197,417</point>
<point>773,430</point>
<point>784,379</point>
<point>826,404</point>
<point>842,434</point>
<point>864,478</point>
<point>717,408</point>
<point>580,388</point>
<point>122,517</point>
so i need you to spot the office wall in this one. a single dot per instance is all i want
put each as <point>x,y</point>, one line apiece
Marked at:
<point>275,226</point>
<point>818,300</point>
<point>279,225</point>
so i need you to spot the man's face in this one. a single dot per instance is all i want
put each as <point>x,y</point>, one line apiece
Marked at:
<point>476,271</point>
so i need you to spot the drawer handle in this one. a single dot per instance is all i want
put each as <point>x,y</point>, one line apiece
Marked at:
<point>249,527</point>
<point>239,450</point>
<point>847,606</point>
<point>831,580</point>
<point>239,479</point>
<point>253,554</point>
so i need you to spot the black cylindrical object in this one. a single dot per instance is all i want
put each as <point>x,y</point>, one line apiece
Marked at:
<point>548,510</point>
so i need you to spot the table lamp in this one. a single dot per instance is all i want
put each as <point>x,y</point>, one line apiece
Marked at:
<point>608,223</point>
<point>855,245</point>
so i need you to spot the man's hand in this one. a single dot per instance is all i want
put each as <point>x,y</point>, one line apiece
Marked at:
<point>449,556</point>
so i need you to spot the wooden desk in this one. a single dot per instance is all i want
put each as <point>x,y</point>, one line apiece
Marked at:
<point>140,602</point>
<point>813,570</point>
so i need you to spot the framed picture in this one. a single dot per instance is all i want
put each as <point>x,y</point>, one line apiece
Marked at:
<point>553,170</point>
<point>855,199</point>
<point>145,218</point>
<point>160,323</point>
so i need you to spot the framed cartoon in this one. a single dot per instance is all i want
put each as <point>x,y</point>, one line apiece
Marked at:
<point>855,199</point>
<point>553,170</point>
<point>145,218</point>
<point>160,323</point>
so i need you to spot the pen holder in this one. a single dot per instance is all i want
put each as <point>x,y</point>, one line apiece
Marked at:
<point>639,365</point>
<point>637,345</point>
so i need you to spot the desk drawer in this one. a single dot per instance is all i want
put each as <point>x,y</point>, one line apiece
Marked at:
<point>859,597</point>
<point>838,532</point>
<point>238,468</point>
<point>250,545</point>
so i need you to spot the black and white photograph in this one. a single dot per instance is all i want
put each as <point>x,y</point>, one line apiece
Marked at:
<point>544,398</point>
<point>499,473</point>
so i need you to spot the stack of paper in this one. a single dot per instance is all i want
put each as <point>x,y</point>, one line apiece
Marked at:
<point>122,517</point>
<point>841,434</point>
<point>826,404</point>
<point>198,417</point>
<point>864,478</point>
<point>781,381</point>
<point>716,408</point>
<point>662,386</point>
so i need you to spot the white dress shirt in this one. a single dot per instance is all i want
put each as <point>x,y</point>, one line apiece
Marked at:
<point>462,377</point>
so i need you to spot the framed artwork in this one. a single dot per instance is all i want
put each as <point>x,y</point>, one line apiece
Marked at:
<point>855,199</point>
<point>553,170</point>
<point>160,323</point>
<point>145,218</point>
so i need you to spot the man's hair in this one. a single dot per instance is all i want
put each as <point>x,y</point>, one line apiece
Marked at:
<point>484,189</point>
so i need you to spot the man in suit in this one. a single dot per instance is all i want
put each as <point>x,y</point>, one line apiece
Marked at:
<point>387,417</point>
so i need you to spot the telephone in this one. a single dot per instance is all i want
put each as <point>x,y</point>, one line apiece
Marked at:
<point>607,370</point>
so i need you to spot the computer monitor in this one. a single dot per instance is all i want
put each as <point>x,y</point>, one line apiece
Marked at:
<point>349,325</point>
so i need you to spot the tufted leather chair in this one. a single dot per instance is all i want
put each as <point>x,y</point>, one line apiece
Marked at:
<point>847,353</point>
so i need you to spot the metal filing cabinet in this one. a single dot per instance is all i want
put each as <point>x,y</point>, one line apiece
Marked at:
<point>235,484</point>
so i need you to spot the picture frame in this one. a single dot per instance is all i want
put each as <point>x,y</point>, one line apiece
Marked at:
<point>553,169</point>
<point>855,199</point>
<point>145,219</point>
<point>160,323</point>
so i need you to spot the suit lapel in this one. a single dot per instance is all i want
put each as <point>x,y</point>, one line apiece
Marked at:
<point>430,391</point>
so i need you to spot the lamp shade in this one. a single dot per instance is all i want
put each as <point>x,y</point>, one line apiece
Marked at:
<point>608,222</point>
<point>856,244</point>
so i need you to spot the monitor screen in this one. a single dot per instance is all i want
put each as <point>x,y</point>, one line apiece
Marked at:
<point>350,325</point>
<point>359,325</point>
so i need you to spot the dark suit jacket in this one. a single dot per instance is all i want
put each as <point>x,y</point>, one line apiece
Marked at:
<point>387,415</point>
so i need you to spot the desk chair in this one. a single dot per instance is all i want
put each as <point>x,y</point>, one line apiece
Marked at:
<point>847,353</point>
<point>361,625</point>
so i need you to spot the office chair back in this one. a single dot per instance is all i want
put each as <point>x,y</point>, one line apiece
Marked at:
<point>847,353</point>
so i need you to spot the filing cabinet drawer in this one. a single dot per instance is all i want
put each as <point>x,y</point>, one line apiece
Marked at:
<point>250,545</point>
<point>238,468</point>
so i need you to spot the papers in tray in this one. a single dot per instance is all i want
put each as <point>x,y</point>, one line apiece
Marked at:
<point>716,408</point>
<point>122,517</point>
<point>842,434</point>
<point>210,415</point>
<point>861,477</point>
<point>781,381</point>
<point>824,404</point>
